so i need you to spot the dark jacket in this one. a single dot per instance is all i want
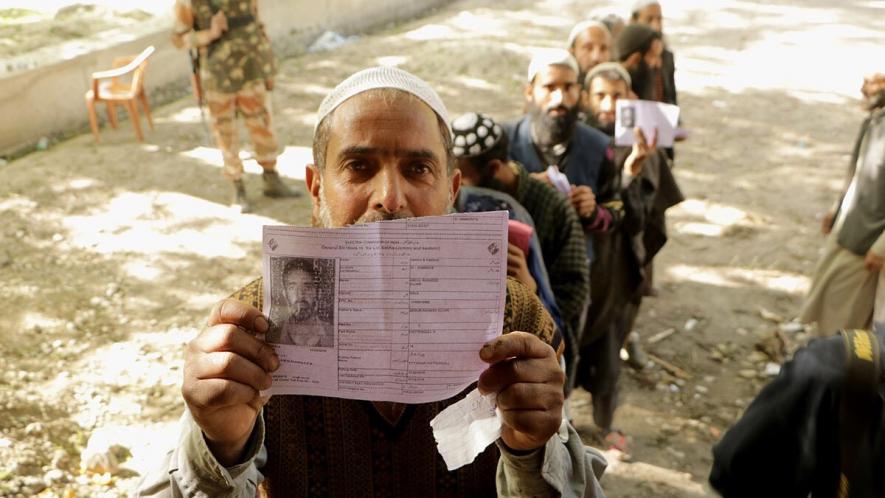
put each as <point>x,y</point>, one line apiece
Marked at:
<point>582,166</point>
<point>787,444</point>
<point>668,72</point>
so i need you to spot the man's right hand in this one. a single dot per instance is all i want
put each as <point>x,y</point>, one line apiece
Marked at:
<point>583,200</point>
<point>874,262</point>
<point>219,25</point>
<point>225,368</point>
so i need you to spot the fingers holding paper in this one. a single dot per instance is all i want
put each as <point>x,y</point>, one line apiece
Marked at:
<point>526,375</point>
<point>225,368</point>
<point>584,200</point>
<point>518,267</point>
<point>642,148</point>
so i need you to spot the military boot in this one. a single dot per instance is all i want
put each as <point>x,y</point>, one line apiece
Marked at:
<point>274,186</point>
<point>240,200</point>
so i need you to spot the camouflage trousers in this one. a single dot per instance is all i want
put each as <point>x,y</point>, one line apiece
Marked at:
<point>252,102</point>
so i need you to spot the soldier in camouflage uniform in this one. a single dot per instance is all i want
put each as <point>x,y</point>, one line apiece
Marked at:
<point>237,66</point>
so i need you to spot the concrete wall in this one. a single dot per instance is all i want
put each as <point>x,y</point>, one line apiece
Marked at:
<point>48,101</point>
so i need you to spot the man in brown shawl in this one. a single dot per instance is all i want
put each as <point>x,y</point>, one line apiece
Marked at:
<point>382,151</point>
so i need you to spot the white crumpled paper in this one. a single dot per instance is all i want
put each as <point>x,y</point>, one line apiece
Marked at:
<point>465,429</point>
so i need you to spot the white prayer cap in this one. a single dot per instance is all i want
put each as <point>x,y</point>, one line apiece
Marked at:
<point>641,4</point>
<point>584,26</point>
<point>551,57</point>
<point>381,77</point>
<point>606,67</point>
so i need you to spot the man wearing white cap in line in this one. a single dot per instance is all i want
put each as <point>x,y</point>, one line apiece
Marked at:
<point>550,135</point>
<point>382,150</point>
<point>644,183</point>
<point>590,42</point>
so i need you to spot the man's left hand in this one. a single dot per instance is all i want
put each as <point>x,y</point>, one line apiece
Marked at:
<point>874,262</point>
<point>526,375</point>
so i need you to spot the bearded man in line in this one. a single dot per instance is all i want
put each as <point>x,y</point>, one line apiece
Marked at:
<point>549,134</point>
<point>481,148</point>
<point>650,13</point>
<point>382,150</point>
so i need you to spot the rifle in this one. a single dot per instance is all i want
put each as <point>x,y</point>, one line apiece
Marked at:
<point>196,84</point>
<point>197,88</point>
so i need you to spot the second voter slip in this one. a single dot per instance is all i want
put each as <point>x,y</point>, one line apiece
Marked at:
<point>387,311</point>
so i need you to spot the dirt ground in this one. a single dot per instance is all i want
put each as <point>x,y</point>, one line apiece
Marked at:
<point>33,34</point>
<point>112,254</point>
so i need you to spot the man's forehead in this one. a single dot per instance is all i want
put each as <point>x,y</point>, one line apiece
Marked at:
<point>556,73</point>
<point>595,34</point>
<point>367,119</point>
<point>388,103</point>
<point>606,85</point>
<point>298,272</point>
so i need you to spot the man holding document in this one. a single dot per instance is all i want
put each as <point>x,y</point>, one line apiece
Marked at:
<point>382,151</point>
<point>639,178</point>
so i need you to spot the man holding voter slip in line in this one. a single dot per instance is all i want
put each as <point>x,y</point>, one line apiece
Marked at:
<point>361,421</point>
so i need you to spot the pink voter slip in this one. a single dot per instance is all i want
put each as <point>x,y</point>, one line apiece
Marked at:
<point>519,234</point>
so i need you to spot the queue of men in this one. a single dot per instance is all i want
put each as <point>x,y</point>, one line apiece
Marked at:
<point>385,148</point>
<point>573,298</point>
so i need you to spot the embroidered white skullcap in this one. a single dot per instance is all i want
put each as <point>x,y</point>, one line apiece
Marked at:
<point>474,134</point>
<point>584,26</point>
<point>605,67</point>
<point>381,77</point>
<point>641,4</point>
<point>551,57</point>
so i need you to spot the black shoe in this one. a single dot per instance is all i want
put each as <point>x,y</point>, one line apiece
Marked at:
<point>274,186</point>
<point>240,200</point>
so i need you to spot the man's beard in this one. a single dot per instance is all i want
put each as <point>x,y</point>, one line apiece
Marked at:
<point>302,310</point>
<point>607,128</point>
<point>875,101</point>
<point>553,130</point>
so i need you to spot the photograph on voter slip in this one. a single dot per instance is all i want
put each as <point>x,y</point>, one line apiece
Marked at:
<point>302,302</point>
<point>628,117</point>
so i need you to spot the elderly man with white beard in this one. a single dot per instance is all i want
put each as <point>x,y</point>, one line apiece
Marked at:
<point>382,151</point>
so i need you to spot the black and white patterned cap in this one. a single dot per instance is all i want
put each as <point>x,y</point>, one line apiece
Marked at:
<point>474,134</point>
